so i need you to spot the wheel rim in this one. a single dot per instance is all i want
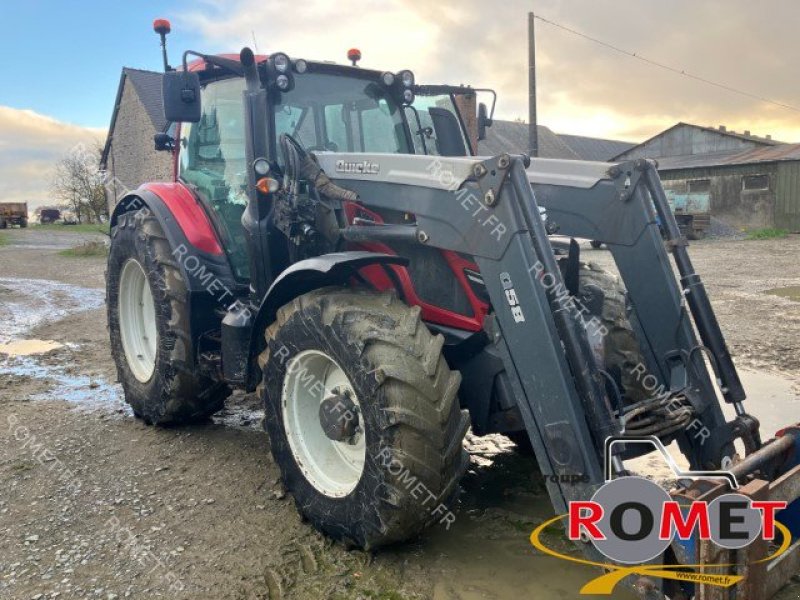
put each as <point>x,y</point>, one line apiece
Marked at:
<point>137,321</point>
<point>334,468</point>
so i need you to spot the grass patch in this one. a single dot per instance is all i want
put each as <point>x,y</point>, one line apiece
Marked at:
<point>3,239</point>
<point>79,228</point>
<point>87,249</point>
<point>769,233</point>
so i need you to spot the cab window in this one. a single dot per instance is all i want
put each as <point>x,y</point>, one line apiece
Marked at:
<point>341,114</point>
<point>212,159</point>
<point>423,132</point>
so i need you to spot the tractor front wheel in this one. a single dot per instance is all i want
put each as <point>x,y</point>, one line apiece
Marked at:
<point>362,416</point>
<point>148,323</point>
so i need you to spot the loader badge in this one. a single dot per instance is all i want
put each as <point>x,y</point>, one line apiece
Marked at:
<point>364,167</point>
<point>511,297</point>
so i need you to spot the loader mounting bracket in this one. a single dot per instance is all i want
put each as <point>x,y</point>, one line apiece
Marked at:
<point>490,175</point>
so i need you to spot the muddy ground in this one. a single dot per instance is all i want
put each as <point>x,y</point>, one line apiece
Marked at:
<point>93,504</point>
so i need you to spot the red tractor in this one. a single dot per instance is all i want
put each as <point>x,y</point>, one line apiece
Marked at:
<point>330,242</point>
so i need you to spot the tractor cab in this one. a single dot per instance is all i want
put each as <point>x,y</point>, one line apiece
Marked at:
<point>324,107</point>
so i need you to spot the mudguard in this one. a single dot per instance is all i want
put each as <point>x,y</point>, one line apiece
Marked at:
<point>307,275</point>
<point>186,226</point>
<point>195,248</point>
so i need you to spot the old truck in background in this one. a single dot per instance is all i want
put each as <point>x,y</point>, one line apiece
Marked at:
<point>13,213</point>
<point>692,212</point>
<point>49,215</point>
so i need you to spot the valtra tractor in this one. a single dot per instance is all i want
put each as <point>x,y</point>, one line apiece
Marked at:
<point>332,243</point>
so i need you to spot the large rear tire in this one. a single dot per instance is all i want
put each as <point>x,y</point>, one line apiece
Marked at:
<point>148,323</point>
<point>621,352</point>
<point>398,469</point>
<point>621,349</point>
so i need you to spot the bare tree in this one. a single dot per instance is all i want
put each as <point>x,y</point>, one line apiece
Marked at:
<point>79,183</point>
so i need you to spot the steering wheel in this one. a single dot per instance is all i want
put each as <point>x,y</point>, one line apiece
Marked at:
<point>327,147</point>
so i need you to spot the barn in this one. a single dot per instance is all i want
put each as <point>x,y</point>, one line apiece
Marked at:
<point>753,182</point>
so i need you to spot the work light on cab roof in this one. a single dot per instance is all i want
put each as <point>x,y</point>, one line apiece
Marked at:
<point>354,55</point>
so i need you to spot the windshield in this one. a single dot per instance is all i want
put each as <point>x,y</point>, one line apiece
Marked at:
<point>341,114</point>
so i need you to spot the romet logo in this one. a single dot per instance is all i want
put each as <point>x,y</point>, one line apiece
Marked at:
<point>365,167</point>
<point>632,520</point>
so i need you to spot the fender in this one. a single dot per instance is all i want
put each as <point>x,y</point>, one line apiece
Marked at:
<point>198,254</point>
<point>186,226</point>
<point>181,207</point>
<point>302,277</point>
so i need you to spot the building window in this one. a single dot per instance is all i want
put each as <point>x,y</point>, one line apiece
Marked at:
<point>699,186</point>
<point>752,183</point>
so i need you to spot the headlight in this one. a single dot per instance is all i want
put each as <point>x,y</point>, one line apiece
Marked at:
<point>408,96</point>
<point>261,166</point>
<point>282,81</point>
<point>281,62</point>
<point>388,79</point>
<point>300,66</point>
<point>407,77</point>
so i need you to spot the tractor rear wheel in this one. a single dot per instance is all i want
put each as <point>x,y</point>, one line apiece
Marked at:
<point>621,352</point>
<point>148,323</point>
<point>362,416</point>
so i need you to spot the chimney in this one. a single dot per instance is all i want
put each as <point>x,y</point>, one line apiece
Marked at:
<point>723,128</point>
<point>747,132</point>
<point>769,136</point>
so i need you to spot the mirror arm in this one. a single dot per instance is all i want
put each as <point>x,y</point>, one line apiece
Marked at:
<point>224,63</point>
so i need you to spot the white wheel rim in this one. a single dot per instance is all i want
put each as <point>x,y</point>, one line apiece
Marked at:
<point>334,468</point>
<point>137,321</point>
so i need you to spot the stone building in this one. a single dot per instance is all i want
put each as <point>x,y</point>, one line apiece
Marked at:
<point>129,156</point>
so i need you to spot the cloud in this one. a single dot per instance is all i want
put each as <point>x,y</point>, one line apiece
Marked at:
<point>584,88</point>
<point>30,146</point>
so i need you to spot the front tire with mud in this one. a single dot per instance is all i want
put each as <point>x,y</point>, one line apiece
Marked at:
<point>152,346</point>
<point>391,373</point>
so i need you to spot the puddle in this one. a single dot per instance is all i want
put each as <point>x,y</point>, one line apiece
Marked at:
<point>29,347</point>
<point>90,393</point>
<point>791,292</point>
<point>504,499</point>
<point>772,398</point>
<point>28,303</point>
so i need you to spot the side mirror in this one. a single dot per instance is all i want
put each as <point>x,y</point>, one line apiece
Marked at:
<point>164,142</point>
<point>180,92</point>
<point>449,140</point>
<point>483,121</point>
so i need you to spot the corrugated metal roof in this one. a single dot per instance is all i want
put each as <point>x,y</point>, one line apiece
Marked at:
<point>754,139</point>
<point>512,137</point>
<point>756,155</point>
<point>595,148</point>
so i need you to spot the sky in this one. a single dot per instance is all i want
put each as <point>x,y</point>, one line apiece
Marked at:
<point>61,61</point>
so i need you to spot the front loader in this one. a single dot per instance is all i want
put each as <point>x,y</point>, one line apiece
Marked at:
<point>330,243</point>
